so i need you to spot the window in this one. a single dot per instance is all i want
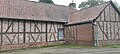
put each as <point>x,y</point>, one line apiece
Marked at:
<point>60,34</point>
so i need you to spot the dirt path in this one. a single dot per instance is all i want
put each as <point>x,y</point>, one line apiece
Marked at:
<point>65,51</point>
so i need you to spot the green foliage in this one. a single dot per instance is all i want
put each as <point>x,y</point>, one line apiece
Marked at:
<point>46,1</point>
<point>72,46</point>
<point>90,3</point>
<point>64,46</point>
<point>111,46</point>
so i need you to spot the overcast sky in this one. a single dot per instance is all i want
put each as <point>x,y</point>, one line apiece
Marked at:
<point>66,2</point>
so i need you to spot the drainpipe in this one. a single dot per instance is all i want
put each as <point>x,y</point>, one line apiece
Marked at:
<point>96,41</point>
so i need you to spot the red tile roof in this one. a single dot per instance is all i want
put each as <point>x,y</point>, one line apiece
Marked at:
<point>19,9</point>
<point>86,14</point>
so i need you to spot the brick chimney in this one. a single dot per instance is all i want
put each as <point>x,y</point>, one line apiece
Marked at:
<point>73,5</point>
<point>33,0</point>
<point>26,0</point>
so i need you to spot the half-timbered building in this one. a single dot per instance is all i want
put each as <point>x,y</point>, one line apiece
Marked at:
<point>25,24</point>
<point>97,26</point>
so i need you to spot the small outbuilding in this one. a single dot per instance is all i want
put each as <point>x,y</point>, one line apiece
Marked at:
<point>95,26</point>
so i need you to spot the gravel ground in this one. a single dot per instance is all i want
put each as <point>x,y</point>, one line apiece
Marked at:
<point>65,51</point>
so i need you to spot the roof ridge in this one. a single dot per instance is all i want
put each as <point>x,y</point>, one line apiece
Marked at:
<point>85,14</point>
<point>95,6</point>
<point>90,7</point>
<point>21,9</point>
<point>46,3</point>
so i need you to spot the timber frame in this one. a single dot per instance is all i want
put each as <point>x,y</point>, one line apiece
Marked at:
<point>14,31</point>
<point>93,29</point>
<point>107,25</point>
<point>102,30</point>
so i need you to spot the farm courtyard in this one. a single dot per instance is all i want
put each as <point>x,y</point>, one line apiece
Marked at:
<point>66,50</point>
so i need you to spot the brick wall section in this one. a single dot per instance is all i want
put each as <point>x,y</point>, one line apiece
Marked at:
<point>81,34</point>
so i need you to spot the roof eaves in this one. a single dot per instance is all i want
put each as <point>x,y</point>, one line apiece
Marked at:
<point>33,19</point>
<point>79,23</point>
<point>49,4</point>
<point>92,6</point>
<point>114,6</point>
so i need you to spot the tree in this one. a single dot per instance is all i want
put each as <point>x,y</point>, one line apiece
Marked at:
<point>46,1</point>
<point>90,3</point>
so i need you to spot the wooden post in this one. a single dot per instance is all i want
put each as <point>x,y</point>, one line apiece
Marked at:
<point>110,23</point>
<point>57,33</point>
<point>96,35</point>
<point>46,32</point>
<point>1,31</point>
<point>41,31</point>
<point>30,30</point>
<point>76,35</point>
<point>24,28</point>
<point>18,31</point>
<point>93,32</point>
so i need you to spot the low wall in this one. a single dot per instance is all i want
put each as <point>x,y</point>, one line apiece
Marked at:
<point>20,46</point>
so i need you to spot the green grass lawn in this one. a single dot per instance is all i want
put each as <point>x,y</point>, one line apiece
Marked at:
<point>78,46</point>
<point>65,46</point>
<point>75,46</point>
<point>111,46</point>
<point>72,46</point>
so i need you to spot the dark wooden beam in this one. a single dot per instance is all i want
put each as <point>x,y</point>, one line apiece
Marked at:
<point>37,37</point>
<point>8,22</point>
<point>24,30</point>
<point>110,22</point>
<point>76,35</point>
<point>46,31</point>
<point>57,32</point>
<point>36,26</point>
<point>104,15</point>
<point>54,31</point>
<point>8,38</point>
<point>50,27</point>
<point>115,16</point>
<point>10,25</point>
<point>118,30</point>
<point>33,38</point>
<point>30,30</point>
<point>114,28</point>
<point>103,30</point>
<point>14,37</point>
<point>1,31</point>
<point>50,31</point>
<point>41,31</point>
<point>93,34</point>
<point>18,31</point>
<point>73,32</point>
<point>54,27</point>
